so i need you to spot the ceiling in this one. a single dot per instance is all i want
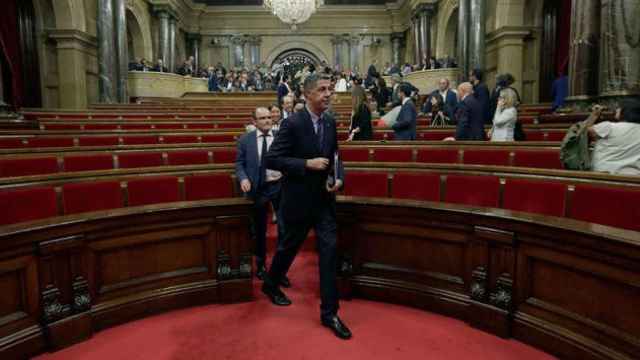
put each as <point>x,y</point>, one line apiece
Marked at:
<point>259,2</point>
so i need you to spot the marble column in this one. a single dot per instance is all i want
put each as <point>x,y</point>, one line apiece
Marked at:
<point>354,45</point>
<point>396,48</point>
<point>237,43</point>
<point>163,38</point>
<point>193,41</point>
<point>106,52</point>
<point>254,50</point>
<point>336,43</point>
<point>463,38</point>
<point>426,13</point>
<point>122,51</point>
<point>172,44</point>
<point>584,50</point>
<point>416,39</point>
<point>477,29</point>
<point>620,48</point>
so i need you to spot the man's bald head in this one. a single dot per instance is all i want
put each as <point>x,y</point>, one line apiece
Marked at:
<point>464,89</point>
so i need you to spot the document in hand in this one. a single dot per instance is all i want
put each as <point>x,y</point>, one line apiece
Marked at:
<point>390,118</point>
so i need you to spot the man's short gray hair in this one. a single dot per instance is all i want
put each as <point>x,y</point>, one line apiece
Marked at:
<point>311,81</point>
<point>254,114</point>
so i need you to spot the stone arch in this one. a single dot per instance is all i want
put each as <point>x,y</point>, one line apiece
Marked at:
<point>70,14</point>
<point>448,14</point>
<point>290,45</point>
<point>139,26</point>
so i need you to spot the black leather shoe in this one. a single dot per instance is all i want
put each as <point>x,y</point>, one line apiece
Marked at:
<point>284,282</point>
<point>261,271</point>
<point>276,295</point>
<point>338,327</point>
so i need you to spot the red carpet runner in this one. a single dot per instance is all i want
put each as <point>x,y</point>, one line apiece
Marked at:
<point>261,331</point>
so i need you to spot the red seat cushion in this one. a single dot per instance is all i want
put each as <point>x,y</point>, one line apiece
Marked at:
<point>91,196</point>
<point>61,126</point>
<point>366,184</point>
<point>439,156</point>
<point>556,135</point>
<point>169,126</point>
<point>434,135</point>
<point>416,186</point>
<point>135,126</point>
<point>532,135</point>
<point>20,205</point>
<point>218,138</point>
<point>613,206</point>
<point>473,190</point>
<point>230,125</point>
<point>225,156</point>
<point>101,127</point>
<point>202,187</point>
<point>140,140</point>
<point>88,162</point>
<point>180,139</point>
<point>540,197</point>
<point>544,159</point>
<point>28,166</point>
<point>393,155</point>
<point>486,157</point>
<point>98,141</point>
<point>378,135</point>
<point>153,191</point>
<point>50,142</point>
<point>354,154</point>
<point>188,157</point>
<point>200,126</point>
<point>11,143</point>
<point>136,160</point>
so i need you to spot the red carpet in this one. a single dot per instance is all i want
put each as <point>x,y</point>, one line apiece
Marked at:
<point>259,330</point>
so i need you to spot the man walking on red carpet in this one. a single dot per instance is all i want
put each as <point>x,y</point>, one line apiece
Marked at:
<point>304,151</point>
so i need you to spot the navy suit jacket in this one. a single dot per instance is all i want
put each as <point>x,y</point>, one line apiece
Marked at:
<point>470,118</point>
<point>481,93</point>
<point>248,162</point>
<point>282,92</point>
<point>450,104</point>
<point>405,126</point>
<point>304,191</point>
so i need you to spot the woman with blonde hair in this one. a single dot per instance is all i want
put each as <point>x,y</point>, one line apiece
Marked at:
<point>361,117</point>
<point>506,116</point>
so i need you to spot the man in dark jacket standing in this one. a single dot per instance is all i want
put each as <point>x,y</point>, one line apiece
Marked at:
<point>469,115</point>
<point>405,125</point>
<point>481,93</point>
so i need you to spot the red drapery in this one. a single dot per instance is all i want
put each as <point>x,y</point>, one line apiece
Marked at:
<point>10,49</point>
<point>564,35</point>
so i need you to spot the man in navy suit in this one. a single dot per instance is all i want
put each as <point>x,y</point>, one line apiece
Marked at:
<point>405,126</point>
<point>469,115</point>
<point>260,184</point>
<point>305,151</point>
<point>449,97</point>
<point>481,93</point>
<point>283,89</point>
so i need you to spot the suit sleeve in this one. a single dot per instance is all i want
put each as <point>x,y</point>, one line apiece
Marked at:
<point>241,160</point>
<point>426,107</point>
<point>463,129</point>
<point>280,153</point>
<point>403,121</point>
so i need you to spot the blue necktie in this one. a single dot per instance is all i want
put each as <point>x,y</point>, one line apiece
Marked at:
<point>320,133</point>
<point>263,166</point>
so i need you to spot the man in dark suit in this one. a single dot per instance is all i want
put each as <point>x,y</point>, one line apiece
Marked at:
<point>260,184</point>
<point>405,126</point>
<point>481,93</point>
<point>305,151</point>
<point>469,115</point>
<point>283,89</point>
<point>449,97</point>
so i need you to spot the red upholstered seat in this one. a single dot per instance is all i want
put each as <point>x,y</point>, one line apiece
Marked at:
<point>224,156</point>
<point>101,127</point>
<point>534,135</point>
<point>486,157</point>
<point>91,196</point>
<point>526,119</point>
<point>342,136</point>
<point>416,186</point>
<point>180,139</point>
<point>61,126</point>
<point>354,154</point>
<point>231,125</point>
<point>393,155</point>
<point>27,204</point>
<point>50,142</point>
<point>473,190</point>
<point>544,159</point>
<point>556,135</point>
<point>170,126</point>
<point>98,141</point>
<point>140,140</point>
<point>136,160</point>
<point>153,190</point>
<point>540,197</point>
<point>613,206</point>
<point>366,184</point>
<point>440,156</point>
<point>28,166</point>
<point>200,126</point>
<point>435,135</point>
<point>11,143</point>
<point>218,138</point>
<point>88,162</point>
<point>377,135</point>
<point>135,126</point>
<point>202,187</point>
<point>191,157</point>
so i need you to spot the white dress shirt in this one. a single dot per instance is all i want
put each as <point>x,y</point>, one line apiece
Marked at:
<point>272,175</point>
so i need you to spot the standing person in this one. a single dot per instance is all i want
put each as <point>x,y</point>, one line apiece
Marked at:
<point>559,91</point>
<point>405,125</point>
<point>506,116</point>
<point>287,106</point>
<point>283,89</point>
<point>469,116</point>
<point>449,98</point>
<point>361,119</point>
<point>260,184</point>
<point>481,93</point>
<point>276,118</point>
<point>383,95</point>
<point>305,151</point>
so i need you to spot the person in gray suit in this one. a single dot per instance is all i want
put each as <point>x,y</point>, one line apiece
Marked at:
<point>405,126</point>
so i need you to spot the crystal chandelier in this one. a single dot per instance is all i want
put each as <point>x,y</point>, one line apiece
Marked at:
<point>292,12</point>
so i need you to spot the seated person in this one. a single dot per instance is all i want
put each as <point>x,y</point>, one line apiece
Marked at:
<point>617,144</point>
<point>160,67</point>
<point>448,96</point>
<point>506,116</point>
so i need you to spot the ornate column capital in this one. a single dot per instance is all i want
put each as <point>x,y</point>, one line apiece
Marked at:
<point>428,9</point>
<point>253,39</point>
<point>164,11</point>
<point>193,37</point>
<point>397,36</point>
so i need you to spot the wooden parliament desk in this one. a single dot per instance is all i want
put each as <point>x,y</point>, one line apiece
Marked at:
<point>163,85</point>
<point>427,80</point>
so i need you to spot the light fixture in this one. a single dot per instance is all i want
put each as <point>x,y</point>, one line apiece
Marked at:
<point>292,12</point>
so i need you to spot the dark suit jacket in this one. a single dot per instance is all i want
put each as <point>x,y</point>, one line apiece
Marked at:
<point>303,191</point>
<point>362,119</point>
<point>405,126</point>
<point>282,92</point>
<point>470,120</point>
<point>248,162</point>
<point>481,93</point>
<point>450,104</point>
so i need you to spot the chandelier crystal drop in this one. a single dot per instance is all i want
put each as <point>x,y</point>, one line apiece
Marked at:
<point>292,12</point>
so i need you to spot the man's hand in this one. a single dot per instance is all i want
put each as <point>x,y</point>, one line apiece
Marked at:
<point>336,186</point>
<point>450,138</point>
<point>597,110</point>
<point>245,185</point>
<point>317,164</point>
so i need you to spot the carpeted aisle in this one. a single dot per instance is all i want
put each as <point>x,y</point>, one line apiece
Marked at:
<point>260,331</point>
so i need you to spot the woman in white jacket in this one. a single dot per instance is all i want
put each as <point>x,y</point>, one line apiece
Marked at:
<point>504,121</point>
